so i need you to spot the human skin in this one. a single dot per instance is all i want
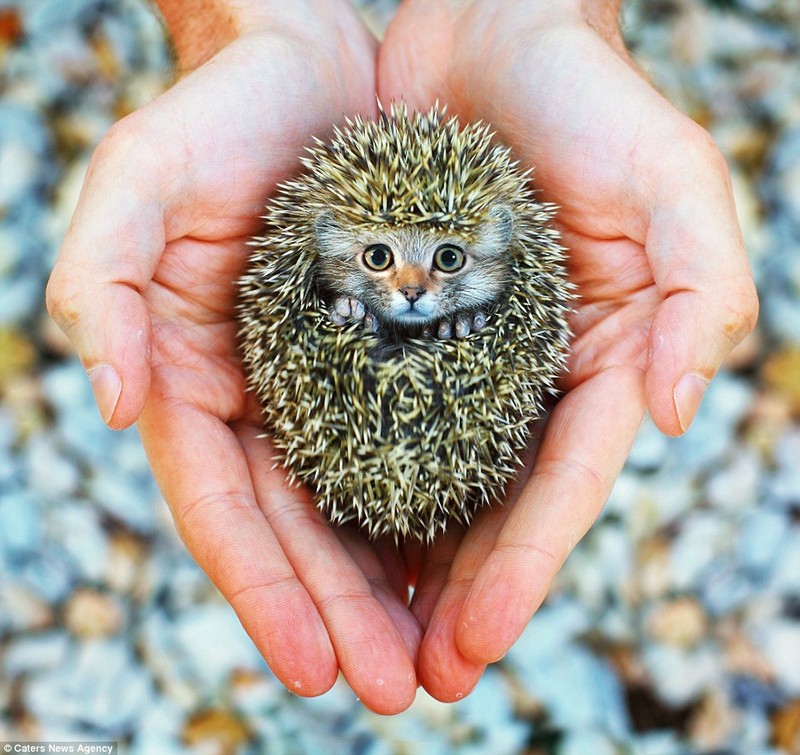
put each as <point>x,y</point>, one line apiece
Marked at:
<point>665,288</point>
<point>143,287</point>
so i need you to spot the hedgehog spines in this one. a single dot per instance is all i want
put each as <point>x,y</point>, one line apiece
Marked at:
<point>404,435</point>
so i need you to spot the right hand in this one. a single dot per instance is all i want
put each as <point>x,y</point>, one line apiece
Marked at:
<point>664,285</point>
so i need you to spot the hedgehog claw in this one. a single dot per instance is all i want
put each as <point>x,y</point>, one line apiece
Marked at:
<point>345,307</point>
<point>462,326</point>
<point>371,323</point>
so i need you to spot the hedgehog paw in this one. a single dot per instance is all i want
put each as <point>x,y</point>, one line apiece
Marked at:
<point>371,323</point>
<point>345,307</point>
<point>462,326</point>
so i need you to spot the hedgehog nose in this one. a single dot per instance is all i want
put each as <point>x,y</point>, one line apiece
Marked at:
<point>412,293</point>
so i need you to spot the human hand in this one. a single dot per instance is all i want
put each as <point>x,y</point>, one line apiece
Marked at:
<point>144,286</point>
<point>655,251</point>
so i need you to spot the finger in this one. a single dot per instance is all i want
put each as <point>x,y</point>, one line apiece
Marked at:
<point>371,652</point>
<point>586,442</point>
<point>700,267</point>
<point>433,574</point>
<point>385,571</point>
<point>445,581</point>
<point>199,464</point>
<point>106,259</point>
<point>443,670</point>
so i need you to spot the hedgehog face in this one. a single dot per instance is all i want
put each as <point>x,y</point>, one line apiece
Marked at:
<point>416,274</point>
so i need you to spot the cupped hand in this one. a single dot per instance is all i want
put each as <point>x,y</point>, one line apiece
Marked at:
<point>655,251</point>
<point>144,286</point>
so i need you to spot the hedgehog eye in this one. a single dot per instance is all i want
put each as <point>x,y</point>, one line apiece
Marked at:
<point>378,257</point>
<point>448,258</point>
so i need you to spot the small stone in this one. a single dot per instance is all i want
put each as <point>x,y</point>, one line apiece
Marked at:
<point>256,693</point>
<point>91,614</point>
<point>781,373</point>
<point>158,729</point>
<point>741,656</point>
<point>21,609</point>
<point>100,685</point>
<point>680,676</point>
<point>81,535</point>
<point>126,557</point>
<point>215,731</point>
<point>32,652</point>
<point>785,578</point>
<point>786,727</point>
<point>712,722</point>
<point>760,539</point>
<point>649,448</point>
<point>681,622</point>
<point>583,741</point>
<point>769,417</point>
<point>652,571</point>
<point>10,25</point>
<point>21,533</point>
<point>19,173</point>
<point>17,354</point>
<point>735,486</point>
<point>50,473</point>
<point>780,642</point>
<point>701,539</point>
<point>214,644</point>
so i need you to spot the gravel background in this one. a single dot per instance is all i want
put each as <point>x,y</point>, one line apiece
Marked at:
<point>673,629</point>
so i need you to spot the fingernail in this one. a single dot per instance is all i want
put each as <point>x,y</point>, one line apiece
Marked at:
<point>687,397</point>
<point>106,386</point>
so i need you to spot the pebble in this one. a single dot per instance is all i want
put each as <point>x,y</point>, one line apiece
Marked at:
<point>21,534</point>
<point>682,675</point>
<point>781,373</point>
<point>21,609</point>
<point>734,485</point>
<point>159,729</point>
<point>701,540</point>
<point>681,622</point>
<point>760,539</point>
<point>27,654</point>
<point>123,571</point>
<point>780,643</point>
<point>215,731</point>
<point>82,538</point>
<point>786,727</point>
<point>51,473</point>
<point>213,644</point>
<point>90,614</point>
<point>74,692</point>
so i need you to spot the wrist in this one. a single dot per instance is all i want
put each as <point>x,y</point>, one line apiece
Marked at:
<point>212,24</point>
<point>602,16</point>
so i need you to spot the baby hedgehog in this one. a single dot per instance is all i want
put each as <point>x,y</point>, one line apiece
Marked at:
<point>403,317</point>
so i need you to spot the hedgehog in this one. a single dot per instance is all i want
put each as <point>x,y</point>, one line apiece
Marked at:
<point>404,321</point>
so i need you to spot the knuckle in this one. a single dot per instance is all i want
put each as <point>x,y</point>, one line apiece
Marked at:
<point>62,299</point>
<point>742,310</point>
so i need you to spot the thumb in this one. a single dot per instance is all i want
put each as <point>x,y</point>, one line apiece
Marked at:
<point>701,269</point>
<point>106,260</point>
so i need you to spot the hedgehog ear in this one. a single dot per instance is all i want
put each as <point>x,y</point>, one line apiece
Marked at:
<point>331,238</point>
<point>496,231</point>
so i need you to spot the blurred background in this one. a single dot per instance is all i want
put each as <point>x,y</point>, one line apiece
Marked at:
<point>673,629</point>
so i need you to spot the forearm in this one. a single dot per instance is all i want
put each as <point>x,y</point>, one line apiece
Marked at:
<point>200,28</point>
